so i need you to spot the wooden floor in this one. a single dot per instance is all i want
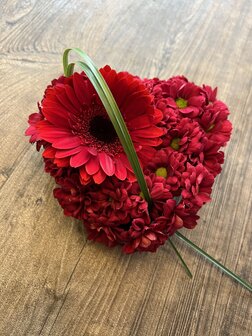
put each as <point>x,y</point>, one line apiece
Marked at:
<point>53,282</point>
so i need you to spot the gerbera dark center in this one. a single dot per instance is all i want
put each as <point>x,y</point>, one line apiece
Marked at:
<point>102,129</point>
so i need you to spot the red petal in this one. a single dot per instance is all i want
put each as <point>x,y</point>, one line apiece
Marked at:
<point>189,109</point>
<point>82,89</point>
<point>147,142</point>
<point>196,101</point>
<point>62,162</point>
<point>99,177</point>
<point>107,164</point>
<point>72,97</point>
<point>49,152</point>
<point>55,113</point>
<point>146,154</point>
<point>92,166</point>
<point>84,177</point>
<point>79,159</point>
<point>66,143</point>
<point>171,102</point>
<point>67,152</point>
<point>150,132</point>
<point>128,249</point>
<point>120,170</point>
<point>134,107</point>
<point>140,122</point>
<point>151,236</point>
<point>50,133</point>
<point>123,158</point>
<point>145,242</point>
<point>92,151</point>
<point>63,99</point>
<point>158,116</point>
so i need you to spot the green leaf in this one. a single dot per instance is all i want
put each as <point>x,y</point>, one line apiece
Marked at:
<point>65,60</point>
<point>215,262</point>
<point>181,259</point>
<point>70,69</point>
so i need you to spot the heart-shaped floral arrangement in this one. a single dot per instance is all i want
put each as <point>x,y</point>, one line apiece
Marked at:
<point>138,187</point>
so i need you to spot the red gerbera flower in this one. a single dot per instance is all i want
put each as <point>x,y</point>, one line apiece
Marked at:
<point>31,131</point>
<point>80,133</point>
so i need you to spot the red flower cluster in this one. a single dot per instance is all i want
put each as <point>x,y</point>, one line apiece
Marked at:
<point>177,129</point>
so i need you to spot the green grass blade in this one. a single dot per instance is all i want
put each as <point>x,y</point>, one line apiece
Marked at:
<point>181,259</point>
<point>215,262</point>
<point>70,69</point>
<point>65,60</point>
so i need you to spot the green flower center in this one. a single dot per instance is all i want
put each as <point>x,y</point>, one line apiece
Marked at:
<point>210,128</point>
<point>175,143</point>
<point>181,103</point>
<point>162,171</point>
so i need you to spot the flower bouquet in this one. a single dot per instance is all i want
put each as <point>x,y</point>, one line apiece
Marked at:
<point>134,159</point>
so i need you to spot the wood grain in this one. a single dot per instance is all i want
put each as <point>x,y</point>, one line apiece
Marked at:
<point>53,282</point>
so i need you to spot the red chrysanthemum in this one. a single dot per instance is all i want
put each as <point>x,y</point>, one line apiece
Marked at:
<point>55,171</point>
<point>179,94</point>
<point>186,137</point>
<point>115,213</point>
<point>210,93</point>
<point>197,184</point>
<point>70,195</point>
<point>168,164</point>
<point>78,130</point>
<point>214,122</point>
<point>185,214</point>
<point>212,158</point>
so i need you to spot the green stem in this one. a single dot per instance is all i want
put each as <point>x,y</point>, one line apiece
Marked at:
<point>180,258</point>
<point>215,262</point>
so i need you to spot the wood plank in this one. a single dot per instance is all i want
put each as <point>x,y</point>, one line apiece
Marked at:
<point>53,282</point>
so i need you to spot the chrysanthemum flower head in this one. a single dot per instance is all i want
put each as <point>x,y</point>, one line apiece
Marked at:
<point>197,184</point>
<point>215,124</point>
<point>116,213</point>
<point>179,94</point>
